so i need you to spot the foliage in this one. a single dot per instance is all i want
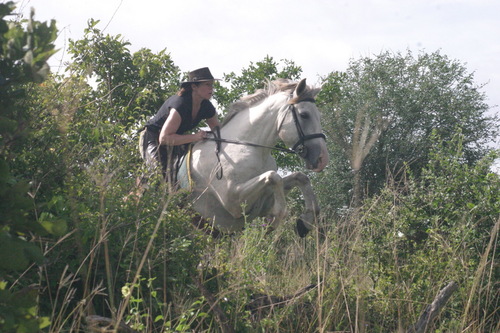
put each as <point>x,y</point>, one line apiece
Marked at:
<point>436,229</point>
<point>129,86</point>
<point>25,48</point>
<point>69,166</point>
<point>384,109</point>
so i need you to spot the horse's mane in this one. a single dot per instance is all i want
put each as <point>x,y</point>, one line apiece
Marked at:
<point>271,88</point>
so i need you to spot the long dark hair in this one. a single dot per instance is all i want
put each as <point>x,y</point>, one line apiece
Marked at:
<point>187,88</point>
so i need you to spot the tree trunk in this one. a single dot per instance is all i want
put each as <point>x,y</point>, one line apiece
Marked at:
<point>357,194</point>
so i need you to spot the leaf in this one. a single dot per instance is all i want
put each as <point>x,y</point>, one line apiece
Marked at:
<point>53,225</point>
<point>6,8</point>
<point>3,285</point>
<point>7,125</point>
<point>16,254</point>
<point>44,322</point>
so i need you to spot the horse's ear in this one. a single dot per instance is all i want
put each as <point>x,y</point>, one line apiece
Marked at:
<point>301,87</point>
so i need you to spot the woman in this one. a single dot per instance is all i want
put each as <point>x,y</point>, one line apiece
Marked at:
<point>169,131</point>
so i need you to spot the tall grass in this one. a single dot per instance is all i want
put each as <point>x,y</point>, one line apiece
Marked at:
<point>239,269</point>
<point>141,262</point>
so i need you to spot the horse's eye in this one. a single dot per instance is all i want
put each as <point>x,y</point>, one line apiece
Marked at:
<point>304,115</point>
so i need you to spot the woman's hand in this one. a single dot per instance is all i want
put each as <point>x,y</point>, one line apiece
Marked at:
<point>200,135</point>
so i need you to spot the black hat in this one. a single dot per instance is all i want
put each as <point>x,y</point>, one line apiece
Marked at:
<point>199,75</point>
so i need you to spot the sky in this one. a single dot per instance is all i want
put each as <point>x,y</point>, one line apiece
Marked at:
<point>320,36</point>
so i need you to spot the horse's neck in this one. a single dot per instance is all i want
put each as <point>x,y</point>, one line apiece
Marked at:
<point>257,124</point>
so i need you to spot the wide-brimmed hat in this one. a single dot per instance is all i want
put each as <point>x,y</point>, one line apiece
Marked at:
<point>199,75</point>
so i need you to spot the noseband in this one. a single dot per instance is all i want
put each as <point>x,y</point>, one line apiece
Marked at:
<point>299,146</point>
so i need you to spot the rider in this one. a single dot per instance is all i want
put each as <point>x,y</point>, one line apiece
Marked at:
<point>168,132</point>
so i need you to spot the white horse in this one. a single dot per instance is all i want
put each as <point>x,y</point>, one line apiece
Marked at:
<point>240,182</point>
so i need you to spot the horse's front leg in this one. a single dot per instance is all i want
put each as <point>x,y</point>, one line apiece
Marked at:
<point>311,212</point>
<point>262,196</point>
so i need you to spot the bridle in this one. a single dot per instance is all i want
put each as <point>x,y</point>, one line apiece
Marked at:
<point>298,148</point>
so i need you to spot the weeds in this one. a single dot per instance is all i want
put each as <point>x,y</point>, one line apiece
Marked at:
<point>374,269</point>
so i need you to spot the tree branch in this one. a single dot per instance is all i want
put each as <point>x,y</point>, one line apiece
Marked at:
<point>432,310</point>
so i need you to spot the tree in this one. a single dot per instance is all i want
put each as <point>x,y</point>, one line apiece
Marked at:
<point>382,111</point>
<point>129,87</point>
<point>25,48</point>
<point>97,126</point>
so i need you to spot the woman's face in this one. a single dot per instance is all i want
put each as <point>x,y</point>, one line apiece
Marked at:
<point>204,89</point>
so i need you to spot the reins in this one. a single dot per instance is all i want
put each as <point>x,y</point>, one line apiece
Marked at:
<point>218,140</point>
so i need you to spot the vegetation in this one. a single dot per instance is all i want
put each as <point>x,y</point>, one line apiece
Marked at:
<point>383,110</point>
<point>74,243</point>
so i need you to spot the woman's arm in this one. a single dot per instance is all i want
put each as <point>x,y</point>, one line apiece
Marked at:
<point>168,135</point>
<point>213,122</point>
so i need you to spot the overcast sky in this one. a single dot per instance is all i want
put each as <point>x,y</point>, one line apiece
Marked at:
<point>321,36</point>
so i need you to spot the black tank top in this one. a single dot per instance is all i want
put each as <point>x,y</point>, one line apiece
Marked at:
<point>183,105</point>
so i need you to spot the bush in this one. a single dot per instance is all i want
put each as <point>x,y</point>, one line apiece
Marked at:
<point>423,233</point>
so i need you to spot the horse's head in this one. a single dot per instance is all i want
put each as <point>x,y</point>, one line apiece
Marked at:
<point>301,129</point>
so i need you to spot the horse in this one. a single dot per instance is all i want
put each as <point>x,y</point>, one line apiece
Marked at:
<point>233,178</point>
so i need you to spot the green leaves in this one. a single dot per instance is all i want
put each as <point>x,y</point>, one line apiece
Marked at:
<point>434,229</point>
<point>52,224</point>
<point>381,112</point>
<point>26,51</point>
<point>18,310</point>
<point>129,87</point>
<point>23,60</point>
<point>16,254</point>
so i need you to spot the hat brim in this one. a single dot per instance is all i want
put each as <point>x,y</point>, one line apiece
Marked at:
<point>183,84</point>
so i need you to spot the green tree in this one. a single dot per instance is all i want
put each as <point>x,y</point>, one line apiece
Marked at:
<point>128,86</point>
<point>25,48</point>
<point>382,110</point>
<point>91,119</point>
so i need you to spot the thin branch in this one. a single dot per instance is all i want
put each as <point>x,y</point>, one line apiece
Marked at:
<point>432,310</point>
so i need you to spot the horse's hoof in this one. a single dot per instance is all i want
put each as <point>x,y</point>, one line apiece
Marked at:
<point>301,228</point>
